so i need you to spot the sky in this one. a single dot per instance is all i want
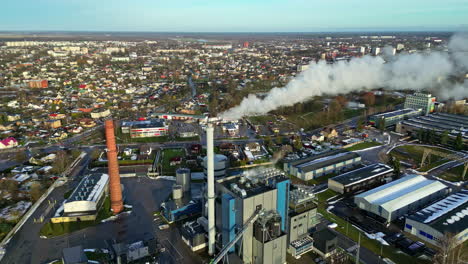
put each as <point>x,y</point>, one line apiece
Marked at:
<point>233,15</point>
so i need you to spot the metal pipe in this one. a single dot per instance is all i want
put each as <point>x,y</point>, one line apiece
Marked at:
<point>210,189</point>
<point>113,169</point>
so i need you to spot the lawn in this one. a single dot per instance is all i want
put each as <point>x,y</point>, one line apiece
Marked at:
<point>413,154</point>
<point>454,174</point>
<point>167,155</point>
<point>324,196</point>
<point>51,230</point>
<point>197,138</point>
<point>262,120</point>
<point>363,145</point>
<point>321,179</point>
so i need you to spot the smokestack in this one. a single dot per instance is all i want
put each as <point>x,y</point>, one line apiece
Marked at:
<point>210,189</point>
<point>113,167</point>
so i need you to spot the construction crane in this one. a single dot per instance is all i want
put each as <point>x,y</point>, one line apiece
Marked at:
<point>239,235</point>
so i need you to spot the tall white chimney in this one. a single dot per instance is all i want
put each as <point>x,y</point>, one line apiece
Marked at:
<point>210,189</point>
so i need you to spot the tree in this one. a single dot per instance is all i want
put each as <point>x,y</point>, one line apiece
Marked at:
<point>35,191</point>
<point>459,142</point>
<point>444,138</point>
<point>360,123</point>
<point>369,99</point>
<point>61,162</point>
<point>382,124</point>
<point>297,143</point>
<point>394,162</point>
<point>450,251</point>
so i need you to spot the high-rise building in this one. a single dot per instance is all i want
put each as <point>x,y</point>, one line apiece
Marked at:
<point>422,101</point>
<point>264,194</point>
<point>246,45</point>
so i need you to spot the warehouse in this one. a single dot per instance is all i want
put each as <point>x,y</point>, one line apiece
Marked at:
<point>392,118</point>
<point>363,178</point>
<point>322,164</point>
<point>438,122</point>
<point>399,197</point>
<point>449,215</point>
<point>85,201</point>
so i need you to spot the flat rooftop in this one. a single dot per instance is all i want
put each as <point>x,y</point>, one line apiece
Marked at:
<point>323,160</point>
<point>362,174</point>
<point>447,215</point>
<point>253,182</point>
<point>397,113</point>
<point>89,188</point>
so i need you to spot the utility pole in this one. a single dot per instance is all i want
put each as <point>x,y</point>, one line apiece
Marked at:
<point>358,248</point>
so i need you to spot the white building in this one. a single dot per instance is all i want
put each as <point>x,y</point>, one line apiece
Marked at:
<point>449,215</point>
<point>399,197</point>
<point>85,201</point>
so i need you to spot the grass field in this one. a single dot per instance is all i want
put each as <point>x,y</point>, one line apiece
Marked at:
<point>413,154</point>
<point>324,196</point>
<point>363,145</point>
<point>167,155</point>
<point>51,230</point>
<point>454,174</point>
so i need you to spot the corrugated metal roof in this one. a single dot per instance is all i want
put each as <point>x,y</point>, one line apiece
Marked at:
<point>402,192</point>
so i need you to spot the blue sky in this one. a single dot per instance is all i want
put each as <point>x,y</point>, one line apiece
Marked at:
<point>233,15</point>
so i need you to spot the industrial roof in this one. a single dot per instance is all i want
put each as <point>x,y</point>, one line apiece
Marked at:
<point>362,174</point>
<point>253,182</point>
<point>397,113</point>
<point>441,122</point>
<point>89,188</point>
<point>447,215</point>
<point>402,192</point>
<point>323,160</point>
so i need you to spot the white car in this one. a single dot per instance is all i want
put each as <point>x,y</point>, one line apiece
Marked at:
<point>333,225</point>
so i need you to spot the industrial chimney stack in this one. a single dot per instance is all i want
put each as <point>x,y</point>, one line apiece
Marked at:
<point>210,189</point>
<point>113,167</point>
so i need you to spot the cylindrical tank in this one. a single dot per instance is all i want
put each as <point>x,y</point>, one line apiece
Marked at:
<point>183,178</point>
<point>220,164</point>
<point>113,169</point>
<point>177,192</point>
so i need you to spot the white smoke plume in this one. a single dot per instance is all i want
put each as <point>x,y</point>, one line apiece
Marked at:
<point>415,71</point>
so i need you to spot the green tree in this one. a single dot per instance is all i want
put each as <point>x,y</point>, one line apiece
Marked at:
<point>360,123</point>
<point>459,142</point>
<point>444,138</point>
<point>297,143</point>
<point>382,124</point>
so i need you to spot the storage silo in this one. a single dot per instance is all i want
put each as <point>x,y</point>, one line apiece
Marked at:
<point>183,178</point>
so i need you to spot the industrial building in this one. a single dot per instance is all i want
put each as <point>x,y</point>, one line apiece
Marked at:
<point>437,122</point>
<point>148,128</point>
<point>128,252</point>
<point>85,201</point>
<point>359,179</point>
<point>194,235</point>
<point>302,219</point>
<point>318,165</point>
<point>401,196</point>
<point>182,204</point>
<point>420,101</point>
<point>449,215</point>
<point>256,205</point>
<point>392,118</point>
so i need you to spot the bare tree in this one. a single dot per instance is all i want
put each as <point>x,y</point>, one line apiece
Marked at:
<point>450,251</point>
<point>35,191</point>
